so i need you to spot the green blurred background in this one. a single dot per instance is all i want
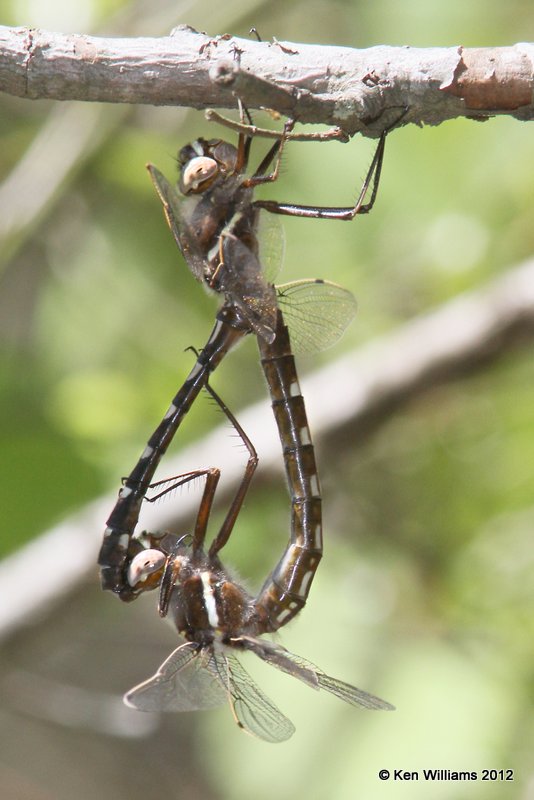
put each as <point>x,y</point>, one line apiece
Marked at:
<point>426,592</point>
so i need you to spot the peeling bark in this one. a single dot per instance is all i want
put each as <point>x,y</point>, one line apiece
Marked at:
<point>499,77</point>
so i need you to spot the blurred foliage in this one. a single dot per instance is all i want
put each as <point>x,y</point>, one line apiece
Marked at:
<point>426,593</point>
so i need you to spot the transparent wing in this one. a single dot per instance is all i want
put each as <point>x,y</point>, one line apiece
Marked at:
<point>175,206</point>
<point>294,665</point>
<point>182,683</point>
<point>271,239</point>
<point>243,280</point>
<point>317,312</point>
<point>253,710</point>
<point>350,694</point>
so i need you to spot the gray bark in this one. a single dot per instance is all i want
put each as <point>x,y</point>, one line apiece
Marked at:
<point>358,90</point>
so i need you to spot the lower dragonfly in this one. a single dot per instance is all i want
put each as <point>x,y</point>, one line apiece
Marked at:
<point>218,618</point>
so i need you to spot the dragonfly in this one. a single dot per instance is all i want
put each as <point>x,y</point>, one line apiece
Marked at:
<point>217,618</point>
<point>215,219</point>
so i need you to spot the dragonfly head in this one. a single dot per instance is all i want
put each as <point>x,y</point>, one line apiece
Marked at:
<point>146,569</point>
<point>202,162</point>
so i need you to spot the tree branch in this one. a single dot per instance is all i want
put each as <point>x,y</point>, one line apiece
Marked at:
<point>458,338</point>
<point>331,85</point>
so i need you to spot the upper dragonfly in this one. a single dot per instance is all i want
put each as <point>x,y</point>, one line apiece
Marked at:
<point>215,221</point>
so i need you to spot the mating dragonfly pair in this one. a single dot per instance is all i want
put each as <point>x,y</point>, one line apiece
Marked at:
<point>214,219</point>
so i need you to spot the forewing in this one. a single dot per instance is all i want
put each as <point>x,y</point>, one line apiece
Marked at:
<point>282,659</point>
<point>182,683</point>
<point>301,668</point>
<point>174,207</point>
<point>316,312</point>
<point>242,279</point>
<point>350,694</point>
<point>253,710</point>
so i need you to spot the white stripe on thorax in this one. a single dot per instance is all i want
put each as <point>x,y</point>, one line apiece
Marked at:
<point>209,600</point>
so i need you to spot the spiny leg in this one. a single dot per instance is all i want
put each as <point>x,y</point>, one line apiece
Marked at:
<point>235,507</point>
<point>153,565</point>
<point>334,212</point>
<point>274,154</point>
<point>172,564</point>
<point>372,179</point>
<point>212,475</point>
<point>246,135</point>
<point>170,484</point>
<point>330,135</point>
<point>244,142</point>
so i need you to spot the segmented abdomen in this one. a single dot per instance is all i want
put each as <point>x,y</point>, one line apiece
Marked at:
<point>286,590</point>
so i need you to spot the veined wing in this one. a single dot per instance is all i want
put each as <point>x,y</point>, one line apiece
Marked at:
<point>317,312</point>
<point>174,207</point>
<point>272,243</point>
<point>252,709</point>
<point>351,694</point>
<point>241,277</point>
<point>300,668</point>
<point>182,683</point>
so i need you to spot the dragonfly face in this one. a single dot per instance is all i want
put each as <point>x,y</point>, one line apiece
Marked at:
<point>202,162</point>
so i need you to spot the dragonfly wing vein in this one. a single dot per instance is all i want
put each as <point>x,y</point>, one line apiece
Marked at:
<point>253,710</point>
<point>316,312</point>
<point>174,207</point>
<point>180,684</point>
